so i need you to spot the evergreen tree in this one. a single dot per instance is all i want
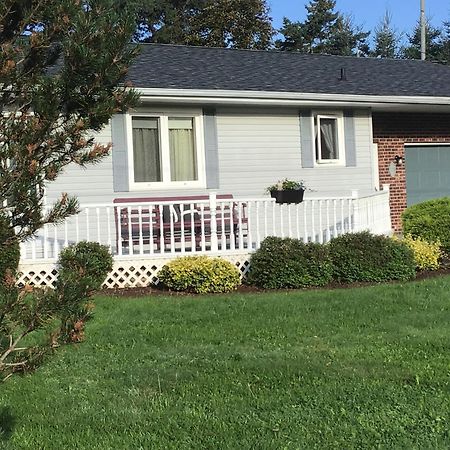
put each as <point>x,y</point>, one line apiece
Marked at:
<point>62,63</point>
<point>294,37</point>
<point>387,39</point>
<point>445,44</point>
<point>433,43</point>
<point>213,23</point>
<point>347,39</point>
<point>324,31</point>
<point>320,24</point>
<point>166,21</point>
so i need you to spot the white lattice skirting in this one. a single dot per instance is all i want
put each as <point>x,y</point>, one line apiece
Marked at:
<point>125,273</point>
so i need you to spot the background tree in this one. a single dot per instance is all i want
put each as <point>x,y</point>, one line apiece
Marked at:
<point>445,44</point>
<point>62,63</point>
<point>167,21</point>
<point>324,31</point>
<point>311,35</point>
<point>320,24</point>
<point>387,39</point>
<point>295,37</point>
<point>433,47</point>
<point>347,39</point>
<point>213,23</point>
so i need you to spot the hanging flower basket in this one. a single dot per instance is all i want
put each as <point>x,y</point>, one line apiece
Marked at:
<point>288,196</point>
<point>287,191</point>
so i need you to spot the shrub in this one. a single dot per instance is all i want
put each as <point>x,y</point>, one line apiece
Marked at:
<point>430,221</point>
<point>200,275</point>
<point>88,260</point>
<point>9,250</point>
<point>82,270</point>
<point>289,263</point>
<point>365,257</point>
<point>427,255</point>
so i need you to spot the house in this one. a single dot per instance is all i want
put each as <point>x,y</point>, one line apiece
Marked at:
<point>232,122</point>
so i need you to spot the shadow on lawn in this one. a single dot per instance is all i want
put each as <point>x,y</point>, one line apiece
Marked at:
<point>7,423</point>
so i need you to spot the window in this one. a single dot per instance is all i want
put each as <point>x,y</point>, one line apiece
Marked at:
<point>328,139</point>
<point>167,151</point>
<point>183,164</point>
<point>146,150</point>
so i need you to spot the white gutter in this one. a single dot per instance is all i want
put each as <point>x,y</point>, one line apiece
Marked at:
<point>283,98</point>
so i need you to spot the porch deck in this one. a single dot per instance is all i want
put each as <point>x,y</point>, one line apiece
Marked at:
<point>144,235</point>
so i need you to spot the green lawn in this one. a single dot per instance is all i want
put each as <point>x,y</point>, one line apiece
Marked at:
<point>365,368</point>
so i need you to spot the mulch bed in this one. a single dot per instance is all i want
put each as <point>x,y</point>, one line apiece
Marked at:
<point>152,291</point>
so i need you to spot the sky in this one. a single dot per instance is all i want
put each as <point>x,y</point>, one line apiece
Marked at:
<point>368,13</point>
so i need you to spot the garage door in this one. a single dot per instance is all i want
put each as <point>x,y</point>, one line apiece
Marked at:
<point>427,173</point>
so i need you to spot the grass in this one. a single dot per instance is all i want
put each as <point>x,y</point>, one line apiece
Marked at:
<point>359,368</point>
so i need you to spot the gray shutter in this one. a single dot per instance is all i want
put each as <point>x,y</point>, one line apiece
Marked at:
<point>211,148</point>
<point>307,139</point>
<point>119,154</point>
<point>350,143</point>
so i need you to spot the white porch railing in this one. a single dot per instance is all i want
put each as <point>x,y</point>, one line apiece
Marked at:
<point>148,230</point>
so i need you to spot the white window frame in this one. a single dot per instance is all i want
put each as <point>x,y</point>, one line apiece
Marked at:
<point>339,117</point>
<point>163,126</point>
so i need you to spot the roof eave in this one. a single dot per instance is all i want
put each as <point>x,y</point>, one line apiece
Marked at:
<point>268,98</point>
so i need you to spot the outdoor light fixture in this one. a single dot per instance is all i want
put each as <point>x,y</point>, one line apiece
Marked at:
<point>399,160</point>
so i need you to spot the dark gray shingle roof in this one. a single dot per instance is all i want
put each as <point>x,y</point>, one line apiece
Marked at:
<point>182,67</point>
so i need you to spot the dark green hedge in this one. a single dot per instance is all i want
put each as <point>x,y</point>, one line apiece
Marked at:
<point>289,263</point>
<point>365,257</point>
<point>87,261</point>
<point>429,220</point>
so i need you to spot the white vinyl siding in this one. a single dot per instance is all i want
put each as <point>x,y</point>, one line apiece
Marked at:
<point>91,184</point>
<point>256,148</point>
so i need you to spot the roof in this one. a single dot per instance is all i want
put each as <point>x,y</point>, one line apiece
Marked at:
<point>184,67</point>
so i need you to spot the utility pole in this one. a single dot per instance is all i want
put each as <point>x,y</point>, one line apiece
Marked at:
<point>423,31</point>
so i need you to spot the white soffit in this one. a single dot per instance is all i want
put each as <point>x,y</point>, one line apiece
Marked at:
<point>254,98</point>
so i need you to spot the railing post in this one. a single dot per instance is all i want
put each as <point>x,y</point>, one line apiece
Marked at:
<point>213,213</point>
<point>387,222</point>
<point>23,251</point>
<point>356,213</point>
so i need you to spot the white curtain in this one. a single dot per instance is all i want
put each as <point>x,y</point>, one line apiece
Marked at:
<point>146,153</point>
<point>328,141</point>
<point>183,164</point>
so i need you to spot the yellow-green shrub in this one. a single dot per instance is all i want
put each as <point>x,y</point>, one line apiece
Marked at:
<point>427,255</point>
<point>200,274</point>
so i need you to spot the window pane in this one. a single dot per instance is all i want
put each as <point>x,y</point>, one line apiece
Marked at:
<point>328,139</point>
<point>183,123</point>
<point>146,151</point>
<point>183,163</point>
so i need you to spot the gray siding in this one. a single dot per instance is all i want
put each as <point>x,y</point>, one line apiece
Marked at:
<point>256,148</point>
<point>211,149</point>
<point>306,139</point>
<point>119,153</point>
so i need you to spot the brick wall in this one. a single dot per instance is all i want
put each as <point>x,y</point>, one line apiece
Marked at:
<point>391,132</point>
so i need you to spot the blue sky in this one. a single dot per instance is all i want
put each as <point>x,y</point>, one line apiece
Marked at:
<point>368,12</point>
